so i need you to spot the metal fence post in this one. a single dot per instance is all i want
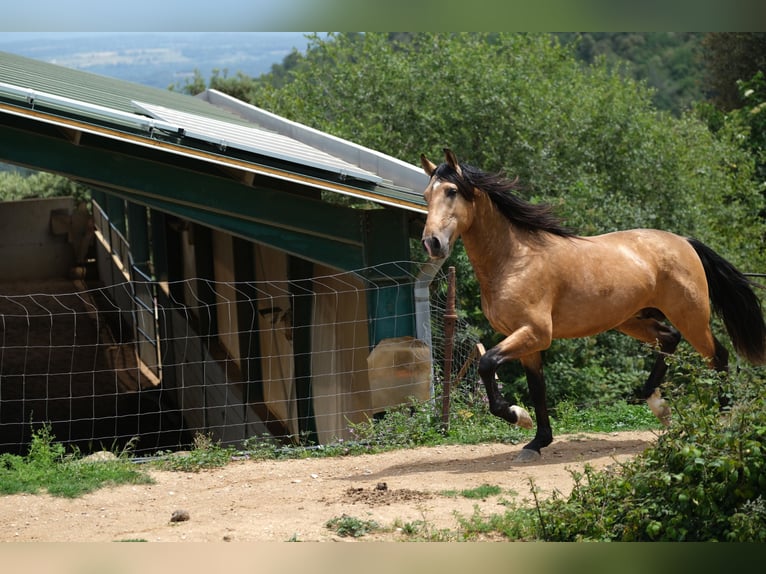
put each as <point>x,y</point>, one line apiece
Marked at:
<point>450,317</point>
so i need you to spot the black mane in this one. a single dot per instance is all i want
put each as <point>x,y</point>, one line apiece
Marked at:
<point>530,216</point>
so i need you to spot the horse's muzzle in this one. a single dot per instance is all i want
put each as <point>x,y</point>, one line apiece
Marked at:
<point>435,248</point>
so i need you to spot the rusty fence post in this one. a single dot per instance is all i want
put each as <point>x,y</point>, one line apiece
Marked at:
<point>450,317</point>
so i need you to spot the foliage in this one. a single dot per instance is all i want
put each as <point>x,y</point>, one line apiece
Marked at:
<point>587,138</point>
<point>747,123</point>
<point>16,185</point>
<point>405,426</point>
<point>418,423</point>
<point>205,454</point>
<point>48,467</point>
<point>525,104</point>
<point>670,63</point>
<point>730,58</point>
<point>239,85</point>
<point>702,481</point>
<point>568,418</point>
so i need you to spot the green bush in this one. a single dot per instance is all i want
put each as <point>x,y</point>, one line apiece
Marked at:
<point>408,425</point>
<point>702,481</point>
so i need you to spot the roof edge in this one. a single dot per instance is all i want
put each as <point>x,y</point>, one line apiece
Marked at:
<point>400,173</point>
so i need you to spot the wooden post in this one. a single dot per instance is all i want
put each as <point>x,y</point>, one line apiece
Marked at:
<point>450,317</point>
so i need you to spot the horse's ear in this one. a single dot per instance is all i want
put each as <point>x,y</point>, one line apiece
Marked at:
<point>428,166</point>
<point>451,159</point>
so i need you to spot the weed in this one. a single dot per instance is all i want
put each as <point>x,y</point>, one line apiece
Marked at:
<point>517,523</point>
<point>205,454</point>
<point>350,526</point>
<point>480,492</point>
<point>423,531</point>
<point>408,425</point>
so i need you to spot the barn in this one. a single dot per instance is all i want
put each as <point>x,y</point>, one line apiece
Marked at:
<point>241,275</point>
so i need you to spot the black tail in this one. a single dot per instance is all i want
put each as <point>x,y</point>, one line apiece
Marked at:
<point>734,300</point>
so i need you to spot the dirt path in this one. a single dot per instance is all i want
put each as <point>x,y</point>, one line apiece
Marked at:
<point>294,499</point>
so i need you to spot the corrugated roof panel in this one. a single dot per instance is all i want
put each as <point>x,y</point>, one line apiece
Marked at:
<point>213,123</point>
<point>96,89</point>
<point>254,140</point>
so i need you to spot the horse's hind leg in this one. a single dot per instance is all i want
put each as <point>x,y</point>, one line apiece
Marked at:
<point>647,327</point>
<point>715,353</point>
<point>694,325</point>
<point>720,362</point>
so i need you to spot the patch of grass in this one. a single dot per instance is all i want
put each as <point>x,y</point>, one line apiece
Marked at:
<point>47,467</point>
<point>423,531</point>
<point>267,448</point>
<point>418,424</point>
<point>517,523</point>
<point>204,454</point>
<point>351,526</point>
<point>480,492</point>
<point>567,418</point>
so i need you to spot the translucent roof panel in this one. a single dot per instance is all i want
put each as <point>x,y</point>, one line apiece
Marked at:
<point>254,140</point>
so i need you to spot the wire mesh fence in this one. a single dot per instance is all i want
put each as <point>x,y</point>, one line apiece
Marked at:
<point>156,364</point>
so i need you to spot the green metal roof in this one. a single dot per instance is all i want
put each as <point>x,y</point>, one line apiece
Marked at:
<point>96,100</point>
<point>99,90</point>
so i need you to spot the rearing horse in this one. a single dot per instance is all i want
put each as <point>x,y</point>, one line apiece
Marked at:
<point>539,281</point>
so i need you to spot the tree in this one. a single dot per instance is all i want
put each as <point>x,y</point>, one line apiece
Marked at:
<point>730,58</point>
<point>523,103</point>
<point>239,86</point>
<point>16,185</point>
<point>585,138</point>
<point>736,63</point>
<point>669,62</point>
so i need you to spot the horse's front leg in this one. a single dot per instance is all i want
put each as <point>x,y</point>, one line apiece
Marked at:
<point>515,414</point>
<point>533,368</point>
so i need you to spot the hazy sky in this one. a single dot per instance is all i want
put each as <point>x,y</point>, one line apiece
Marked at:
<point>401,15</point>
<point>150,15</point>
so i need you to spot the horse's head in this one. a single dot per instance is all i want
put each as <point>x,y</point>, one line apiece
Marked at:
<point>450,205</point>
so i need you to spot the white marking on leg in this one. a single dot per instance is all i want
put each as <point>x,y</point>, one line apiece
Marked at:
<point>522,417</point>
<point>659,407</point>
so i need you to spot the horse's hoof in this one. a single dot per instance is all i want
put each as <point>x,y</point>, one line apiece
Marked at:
<point>522,417</point>
<point>527,455</point>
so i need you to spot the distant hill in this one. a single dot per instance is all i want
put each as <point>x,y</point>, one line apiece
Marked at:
<point>157,59</point>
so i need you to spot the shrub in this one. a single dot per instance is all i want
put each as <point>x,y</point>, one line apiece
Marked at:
<point>702,481</point>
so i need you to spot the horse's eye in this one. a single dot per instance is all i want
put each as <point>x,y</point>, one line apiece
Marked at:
<point>450,192</point>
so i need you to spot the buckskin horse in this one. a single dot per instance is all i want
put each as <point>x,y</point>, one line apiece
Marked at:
<point>540,281</point>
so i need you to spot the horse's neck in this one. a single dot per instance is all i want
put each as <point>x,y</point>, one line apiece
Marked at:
<point>492,243</point>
